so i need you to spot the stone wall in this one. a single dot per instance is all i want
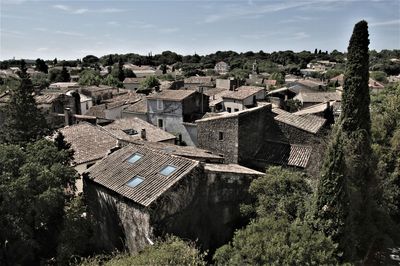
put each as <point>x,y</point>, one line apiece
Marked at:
<point>208,137</point>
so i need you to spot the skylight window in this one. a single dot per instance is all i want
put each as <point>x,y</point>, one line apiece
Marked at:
<point>134,158</point>
<point>134,181</point>
<point>130,131</point>
<point>167,170</point>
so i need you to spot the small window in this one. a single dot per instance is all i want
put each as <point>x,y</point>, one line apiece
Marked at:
<point>220,135</point>
<point>167,170</point>
<point>134,158</point>
<point>160,123</point>
<point>160,105</point>
<point>134,182</point>
<point>229,109</point>
<point>130,131</point>
<point>236,110</point>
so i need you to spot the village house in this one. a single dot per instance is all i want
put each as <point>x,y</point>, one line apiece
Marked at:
<point>98,93</point>
<point>133,129</point>
<point>132,83</point>
<point>308,85</point>
<point>227,84</point>
<point>139,192</point>
<point>138,109</point>
<point>86,102</point>
<point>375,86</point>
<point>143,71</point>
<point>221,68</point>
<point>278,97</point>
<point>197,82</point>
<point>176,110</point>
<point>242,98</point>
<point>250,138</point>
<point>308,99</point>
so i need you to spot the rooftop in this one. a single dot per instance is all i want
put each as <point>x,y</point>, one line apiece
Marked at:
<point>243,92</point>
<point>114,172</point>
<point>198,80</point>
<point>133,80</point>
<point>171,95</point>
<point>120,126</point>
<point>138,107</point>
<point>318,97</point>
<point>314,109</point>
<point>224,115</point>
<point>88,141</point>
<point>309,123</point>
<point>231,168</point>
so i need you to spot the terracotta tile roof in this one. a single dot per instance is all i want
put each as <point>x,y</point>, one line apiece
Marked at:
<point>113,172</point>
<point>133,80</point>
<point>224,115</point>
<point>89,142</point>
<point>285,154</point>
<point>318,97</point>
<point>47,98</point>
<point>243,92</point>
<point>375,84</point>
<point>153,133</point>
<point>138,107</point>
<point>99,110</point>
<point>171,95</point>
<point>230,168</point>
<point>271,82</point>
<point>198,80</point>
<point>314,109</point>
<point>310,123</point>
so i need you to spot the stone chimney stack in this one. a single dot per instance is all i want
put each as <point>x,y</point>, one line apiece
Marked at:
<point>143,134</point>
<point>68,116</point>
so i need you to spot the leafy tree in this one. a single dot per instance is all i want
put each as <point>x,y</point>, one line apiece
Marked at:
<point>172,251</point>
<point>379,76</point>
<point>149,82</point>
<point>55,61</point>
<point>279,234</point>
<point>40,81</point>
<point>35,184</point>
<point>343,199</point>
<point>41,66</point>
<point>110,80</point>
<point>128,73</point>
<point>279,77</point>
<point>89,77</point>
<point>89,60</point>
<point>109,61</point>
<point>23,120</point>
<point>64,75</point>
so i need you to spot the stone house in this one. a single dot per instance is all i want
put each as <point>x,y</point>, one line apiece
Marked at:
<point>138,193</point>
<point>242,98</point>
<point>197,82</point>
<point>227,84</point>
<point>132,83</point>
<point>86,102</point>
<point>308,99</point>
<point>261,136</point>
<point>98,93</point>
<point>221,67</point>
<point>138,109</point>
<point>176,110</point>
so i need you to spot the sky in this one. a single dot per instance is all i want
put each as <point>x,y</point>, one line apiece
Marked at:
<point>72,29</point>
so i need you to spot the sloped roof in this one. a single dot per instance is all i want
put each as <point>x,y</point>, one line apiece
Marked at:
<point>153,133</point>
<point>133,80</point>
<point>47,98</point>
<point>138,107</point>
<point>224,115</point>
<point>231,168</point>
<point>89,142</point>
<point>172,95</point>
<point>99,110</point>
<point>314,109</point>
<point>198,80</point>
<point>310,123</point>
<point>318,97</point>
<point>285,154</point>
<point>113,172</point>
<point>243,92</point>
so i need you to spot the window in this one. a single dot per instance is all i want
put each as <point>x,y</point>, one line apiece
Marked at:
<point>130,131</point>
<point>160,123</point>
<point>220,135</point>
<point>134,182</point>
<point>134,158</point>
<point>229,109</point>
<point>236,110</point>
<point>167,170</point>
<point>160,105</point>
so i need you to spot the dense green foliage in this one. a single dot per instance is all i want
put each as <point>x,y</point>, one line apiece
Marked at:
<point>89,77</point>
<point>110,80</point>
<point>345,190</point>
<point>35,184</point>
<point>172,251</point>
<point>24,122</point>
<point>279,233</point>
<point>149,83</point>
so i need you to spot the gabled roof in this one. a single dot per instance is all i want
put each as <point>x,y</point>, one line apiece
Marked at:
<point>231,168</point>
<point>225,115</point>
<point>172,95</point>
<point>198,80</point>
<point>113,172</point>
<point>314,109</point>
<point>99,110</point>
<point>285,154</point>
<point>138,107</point>
<point>243,92</point>
<point>47,98</point>
<point>133,80</point>
<point>309,123</point>
<point>318,97</point>
<point>153,133</point>
<point>89,142</point>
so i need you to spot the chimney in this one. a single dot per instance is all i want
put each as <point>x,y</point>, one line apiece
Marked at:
<point>286,97</point>
<point>143,134</point>
<point>327,105</point>
<point>68,116</point>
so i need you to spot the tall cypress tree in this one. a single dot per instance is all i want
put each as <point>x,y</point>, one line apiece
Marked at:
<point>23,121</point>
<point>343,200</point>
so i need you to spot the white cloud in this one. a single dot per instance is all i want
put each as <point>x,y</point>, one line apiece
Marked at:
<point>69,33</point>
<point>169,30</point>
<point>78,11</point>
<point>385,23</point>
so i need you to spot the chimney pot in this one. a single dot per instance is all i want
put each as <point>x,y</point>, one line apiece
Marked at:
<point>68,116</point>
<point>143,134</point>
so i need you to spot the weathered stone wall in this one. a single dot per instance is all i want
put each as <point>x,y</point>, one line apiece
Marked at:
<point>208,137</point>
<point>192,107</point>
<point>120,223</point>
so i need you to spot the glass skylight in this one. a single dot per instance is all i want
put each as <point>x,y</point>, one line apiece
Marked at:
<point>135,181</point>
<point>167,170</point>
<point>134,158</point>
